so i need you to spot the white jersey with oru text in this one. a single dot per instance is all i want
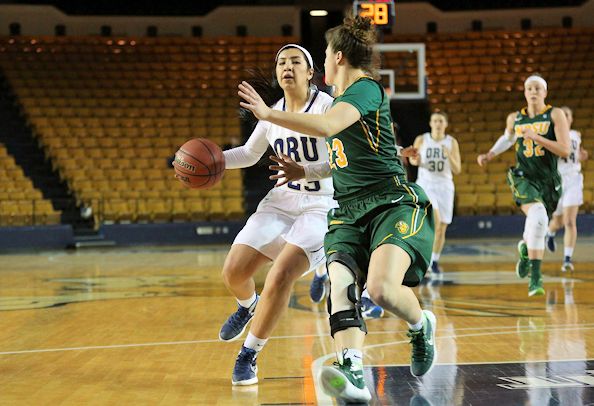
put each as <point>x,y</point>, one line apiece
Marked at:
<point>572,163</point>
<point>303,149</point>
<point>434,165</point>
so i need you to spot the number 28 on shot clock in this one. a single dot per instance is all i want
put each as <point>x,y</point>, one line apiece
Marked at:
<point>381,12</point>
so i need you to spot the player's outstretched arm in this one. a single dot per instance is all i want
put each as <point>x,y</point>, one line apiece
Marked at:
<point>418,144</point>
<point>292,171</point>
<point>339,117</point>
<point>503,143</point>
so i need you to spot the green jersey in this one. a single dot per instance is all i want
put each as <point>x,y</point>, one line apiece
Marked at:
<point>365,152</point>
<point>535,161</point>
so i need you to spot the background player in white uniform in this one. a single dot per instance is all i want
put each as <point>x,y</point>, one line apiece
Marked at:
<point>572,181</point>
<point>438,158</point>
<point>289,224</point>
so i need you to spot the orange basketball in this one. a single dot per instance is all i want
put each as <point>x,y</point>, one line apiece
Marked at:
<point>199,164</point>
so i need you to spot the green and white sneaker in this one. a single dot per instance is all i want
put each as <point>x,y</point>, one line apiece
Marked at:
<point>535,288</point>
<point>523,265</point>
<point>424,352</point>
<point>345,381</point>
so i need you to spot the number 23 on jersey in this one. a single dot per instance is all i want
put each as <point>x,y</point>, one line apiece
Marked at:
<point>337,149</point>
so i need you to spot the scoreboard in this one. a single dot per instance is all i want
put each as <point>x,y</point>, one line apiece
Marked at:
<point>381,12</point>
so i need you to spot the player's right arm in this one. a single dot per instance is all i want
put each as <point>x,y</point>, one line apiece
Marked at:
<point>504,142</point>
<point>250,153</point>
<point>418,144</point>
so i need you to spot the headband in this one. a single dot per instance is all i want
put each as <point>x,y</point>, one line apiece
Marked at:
<point>538,79</point>
<point>305,52</point>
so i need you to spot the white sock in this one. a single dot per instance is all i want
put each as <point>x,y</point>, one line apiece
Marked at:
<point>568,251</point>
<point>365,294</point>
<point>418,326</point>
<point>321,270</point>
<point>355,356</point>
<point>247,302</point>
<point>435,256</point>
<point>551,233</point>
<point>254,342</point>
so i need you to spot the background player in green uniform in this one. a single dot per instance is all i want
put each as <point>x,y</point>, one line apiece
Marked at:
<point>383,230</point>
<point>540,133</point>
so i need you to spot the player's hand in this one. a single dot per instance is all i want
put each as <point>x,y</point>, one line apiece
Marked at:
<point>446,152</point>
<point>484,159</point>
<point>409,152</point>
<point>253,101</point>
<point>289,170</point>
<point>583,154</point>
<point>529,134</point>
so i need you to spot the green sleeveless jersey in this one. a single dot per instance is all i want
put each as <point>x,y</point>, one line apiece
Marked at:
<point>365,152</point>
<point>535,161</point>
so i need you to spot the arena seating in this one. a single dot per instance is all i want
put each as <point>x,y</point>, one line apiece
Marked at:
<point>20,203</point>
<point>111,112</point>
<point>477,78</point>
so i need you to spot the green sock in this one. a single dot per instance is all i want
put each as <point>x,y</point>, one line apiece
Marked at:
<point>535,269</point>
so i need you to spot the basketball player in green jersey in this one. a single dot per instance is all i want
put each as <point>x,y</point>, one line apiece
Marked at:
<point>383,230</point>
<point>540,133</point>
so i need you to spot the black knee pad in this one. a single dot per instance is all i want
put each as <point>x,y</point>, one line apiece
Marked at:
<point>347,318</point>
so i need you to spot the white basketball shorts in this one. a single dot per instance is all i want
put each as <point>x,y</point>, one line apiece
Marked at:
<point>573,192</point>
<point>441,195</point>
<point>287,217</point>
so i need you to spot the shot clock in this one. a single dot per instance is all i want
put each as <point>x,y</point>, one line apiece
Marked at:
<point>381,12</point>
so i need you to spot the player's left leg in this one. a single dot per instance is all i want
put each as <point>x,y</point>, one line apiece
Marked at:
<point>290,264</point>
<point>532,251</point>
<point>555,225</point>
<point>569,221</point>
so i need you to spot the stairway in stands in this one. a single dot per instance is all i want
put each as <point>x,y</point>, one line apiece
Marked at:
<point>16,135</point>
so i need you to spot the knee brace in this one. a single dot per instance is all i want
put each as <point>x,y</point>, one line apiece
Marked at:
<point>346,318</point>
<point>536,225</point>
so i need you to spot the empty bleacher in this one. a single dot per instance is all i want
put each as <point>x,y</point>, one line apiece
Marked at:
<point>111,113</point>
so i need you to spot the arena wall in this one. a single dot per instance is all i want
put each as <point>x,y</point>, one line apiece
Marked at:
<point>411,18</point>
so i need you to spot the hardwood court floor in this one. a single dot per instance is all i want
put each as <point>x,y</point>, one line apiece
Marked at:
<point>140,327</point>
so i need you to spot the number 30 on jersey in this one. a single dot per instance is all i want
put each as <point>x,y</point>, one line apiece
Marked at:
<point>337,149</point>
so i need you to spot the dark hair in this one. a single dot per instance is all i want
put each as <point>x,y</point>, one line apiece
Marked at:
<point>268,89</point>
<point>355,38</point>
<point>442,113</point>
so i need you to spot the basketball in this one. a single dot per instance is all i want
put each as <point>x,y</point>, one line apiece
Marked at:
<point>199,164</point>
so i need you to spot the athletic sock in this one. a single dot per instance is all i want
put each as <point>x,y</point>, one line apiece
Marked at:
<point>254,342</point>
<point>435,256</point>
<point>355,356</point>
<point>551,233</point>
<point>247,302</point>
<point>535,269</point>
<point>568,252</point>
<point>417,326</point>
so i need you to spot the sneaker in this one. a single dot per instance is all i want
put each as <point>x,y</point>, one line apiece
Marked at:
<point>371,310</point>
<point>237,322</point>
<point>345,381</point>
<point>567,265</point>
<point>424,352</point>
<point>523,265</point>
<point>550,243</point>
<point>245,369</point>
<point>317,290</point>
<point>435,269</point>
<point>535,288</point>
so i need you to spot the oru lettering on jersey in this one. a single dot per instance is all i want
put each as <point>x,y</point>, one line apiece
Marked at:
<point>298,150</point>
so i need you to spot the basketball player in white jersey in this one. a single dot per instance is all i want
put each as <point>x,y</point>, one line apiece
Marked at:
<point>289,224</point>
<point>572,197</point>
<point>438,158</point>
